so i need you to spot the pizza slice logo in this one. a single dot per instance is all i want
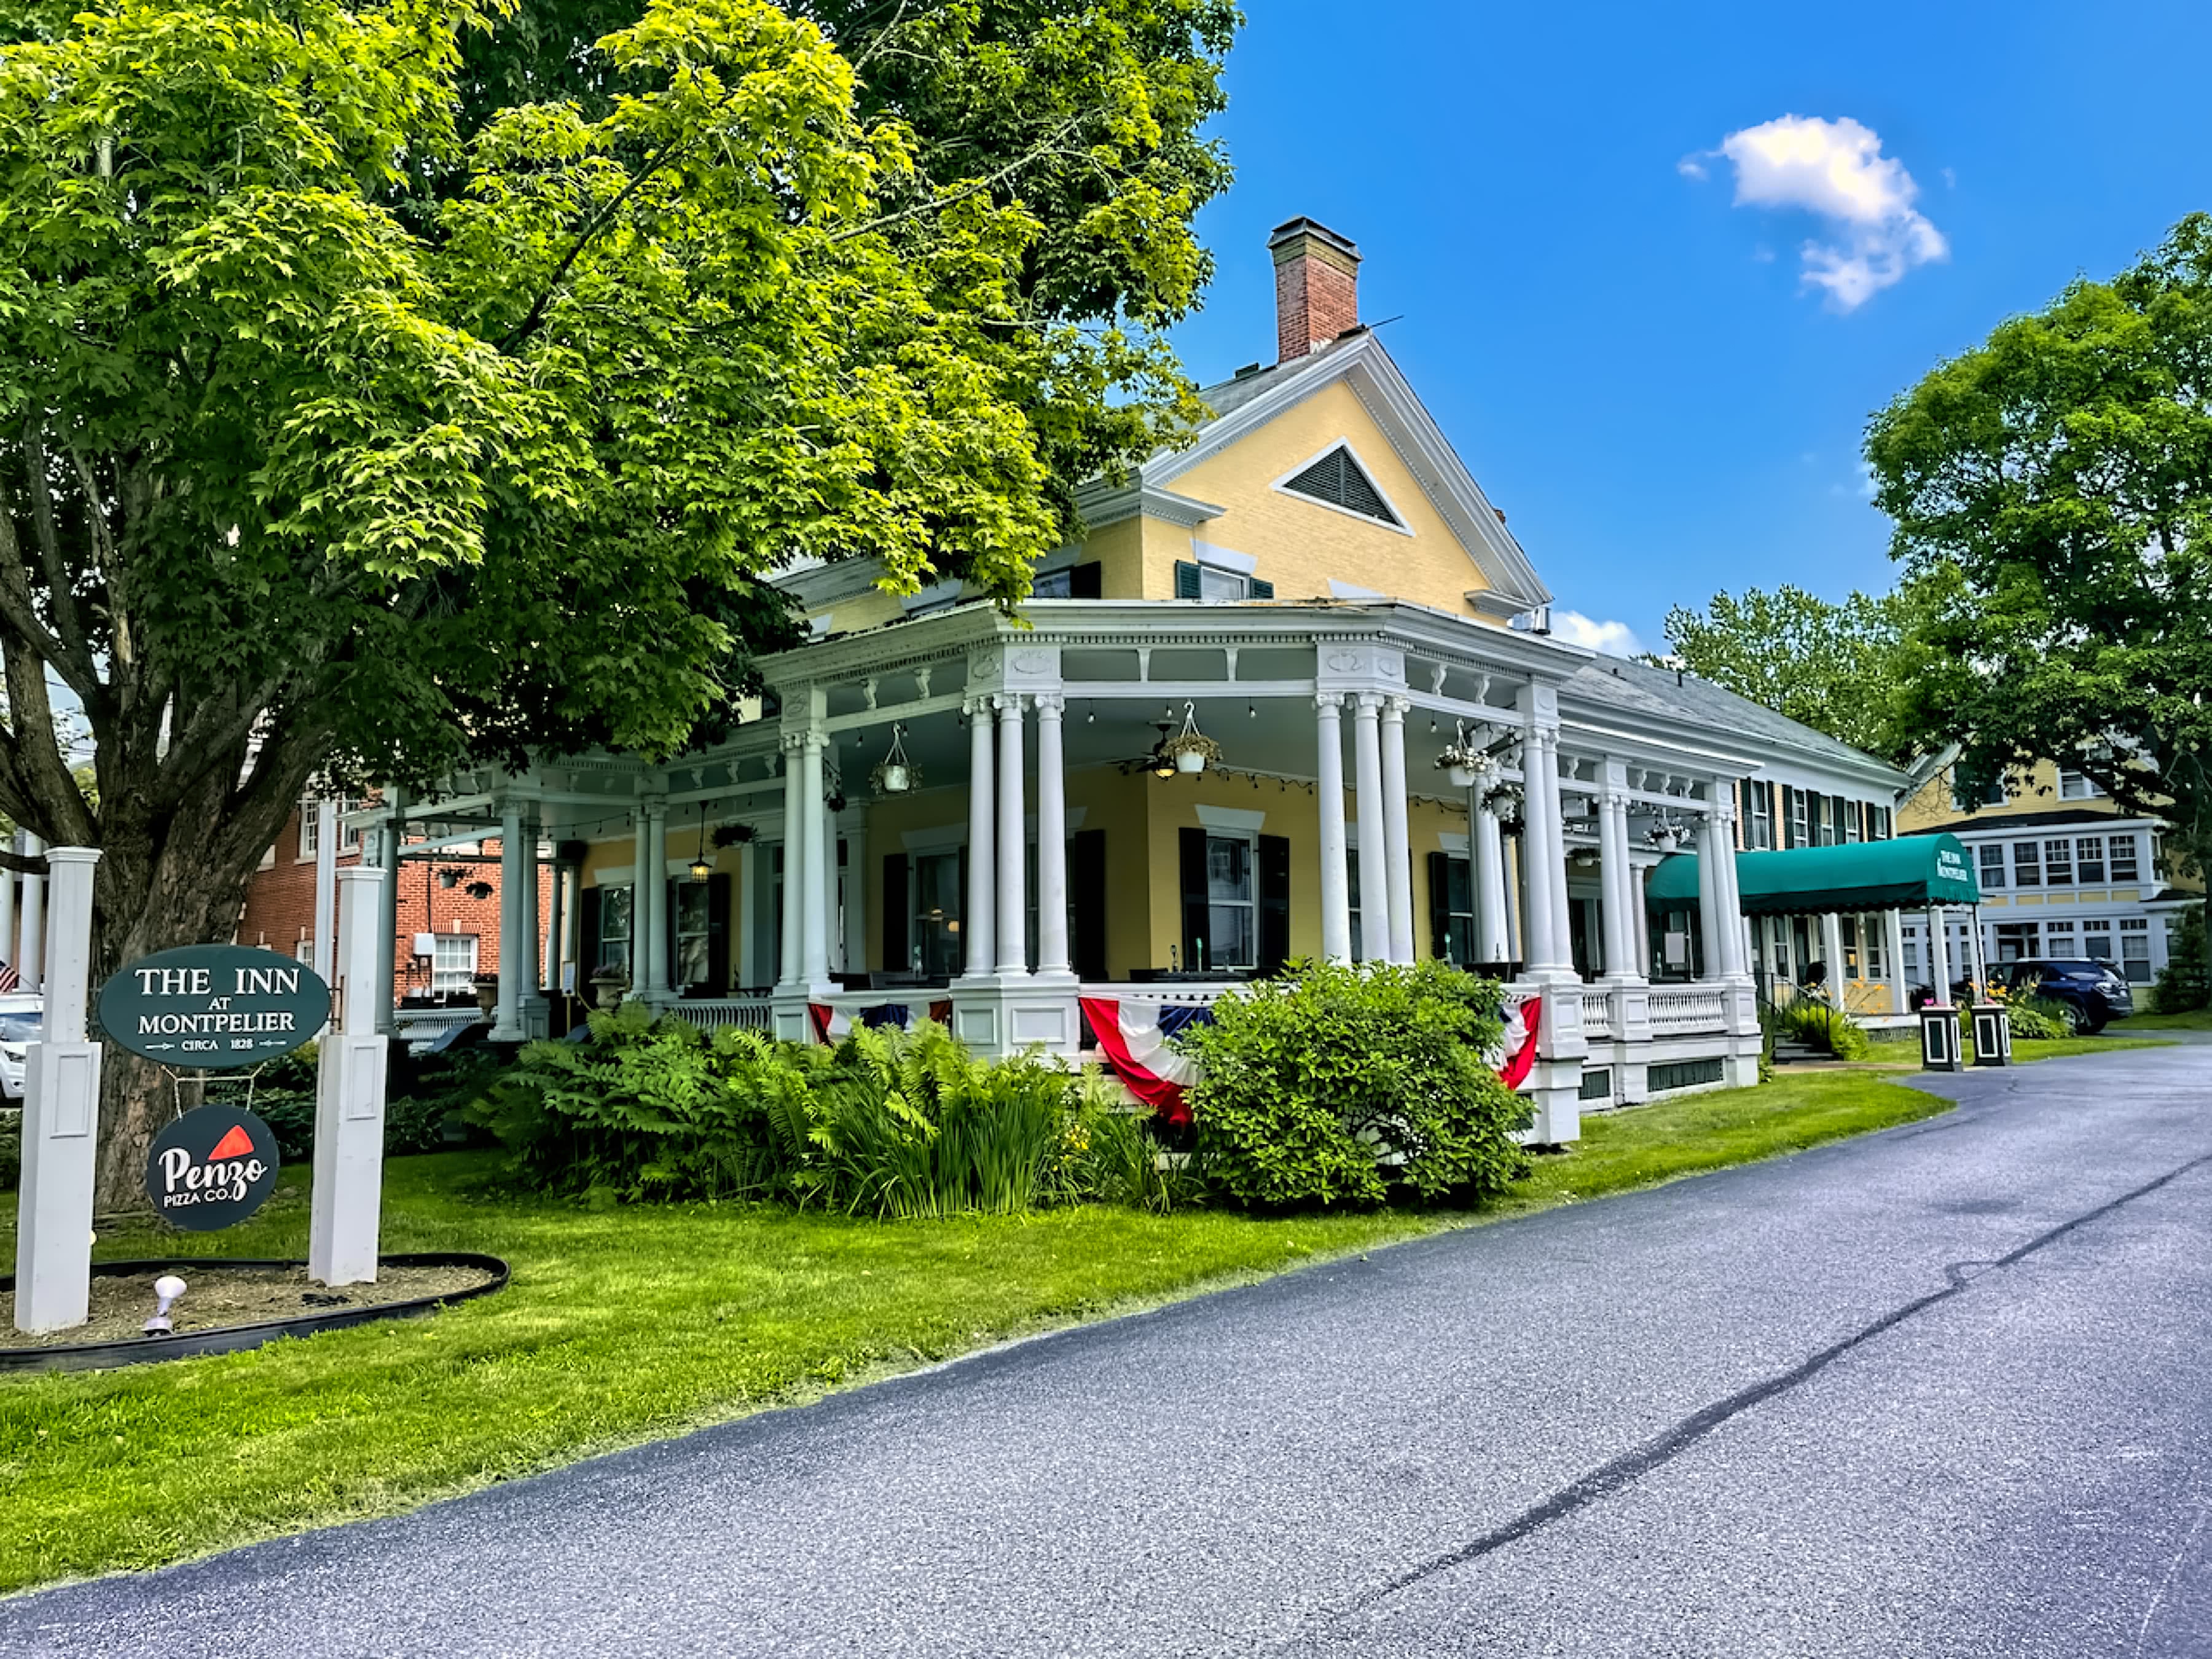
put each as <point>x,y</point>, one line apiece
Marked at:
<point>236,1144</point>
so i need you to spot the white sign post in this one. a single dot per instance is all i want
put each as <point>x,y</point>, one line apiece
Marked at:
<point>61,1115</point>
<point>341,1230</point>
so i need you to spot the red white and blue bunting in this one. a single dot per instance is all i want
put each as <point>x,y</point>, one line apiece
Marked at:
<point>1133,1036</point>
<point>834,1025</point>
<point>1520,1044</point>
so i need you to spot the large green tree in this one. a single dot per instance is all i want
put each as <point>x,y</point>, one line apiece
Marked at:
<point>1834,666</point>
<point>359,418</point>
<point>2053,495</point>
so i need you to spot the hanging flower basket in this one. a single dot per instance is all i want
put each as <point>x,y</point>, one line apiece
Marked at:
<point>733,834</point>
<point>1467,761</point>
<point>1190,749</point>
<point>895,774</point>
<point>1505,802</point>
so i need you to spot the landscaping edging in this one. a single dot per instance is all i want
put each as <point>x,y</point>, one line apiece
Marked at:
<point>235,1339</point>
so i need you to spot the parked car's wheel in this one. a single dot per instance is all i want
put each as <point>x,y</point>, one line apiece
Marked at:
<point>2093,1024</point>
<point>2076,1022</point>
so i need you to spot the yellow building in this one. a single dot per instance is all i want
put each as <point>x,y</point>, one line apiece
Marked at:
<point>2065,870</point>
<point>1294,694</point>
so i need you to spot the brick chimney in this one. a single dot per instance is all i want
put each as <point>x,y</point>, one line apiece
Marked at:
<point>1316,287</point>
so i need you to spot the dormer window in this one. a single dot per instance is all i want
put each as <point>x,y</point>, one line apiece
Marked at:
<point>1336,479</point>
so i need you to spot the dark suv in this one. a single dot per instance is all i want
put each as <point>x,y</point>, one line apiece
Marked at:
<point>2089,991</point>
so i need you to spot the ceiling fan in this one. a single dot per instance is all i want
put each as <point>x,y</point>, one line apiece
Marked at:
<point>1158,762</point>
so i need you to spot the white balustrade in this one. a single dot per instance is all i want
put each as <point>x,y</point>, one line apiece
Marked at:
<point>712,1013</point>
<point>1677,1009</point>
<point>1597,1015</point>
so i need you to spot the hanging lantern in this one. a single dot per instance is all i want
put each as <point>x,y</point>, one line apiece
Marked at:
<point>1190,750</point>
<point>895,774</point>
<point>701,867</point>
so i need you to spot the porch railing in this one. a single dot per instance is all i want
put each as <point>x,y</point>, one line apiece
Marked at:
<point>1597,1016</point>
<point>1679,1010</point>
<point>710,1013</point>
<point>1189,996</point>
<point>418,1028</point>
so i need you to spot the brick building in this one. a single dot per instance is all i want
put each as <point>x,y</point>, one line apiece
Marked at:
<point>453,898</point>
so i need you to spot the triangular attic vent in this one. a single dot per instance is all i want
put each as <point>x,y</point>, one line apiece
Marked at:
<point>1336,478</point>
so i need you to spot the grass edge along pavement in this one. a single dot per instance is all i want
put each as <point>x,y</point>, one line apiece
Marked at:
<point>636,1324</point>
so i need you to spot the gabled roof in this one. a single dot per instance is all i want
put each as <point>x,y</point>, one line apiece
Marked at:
<point>1242,405</point>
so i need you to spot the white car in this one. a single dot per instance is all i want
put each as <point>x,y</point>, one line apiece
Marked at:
<point>20,1016</point>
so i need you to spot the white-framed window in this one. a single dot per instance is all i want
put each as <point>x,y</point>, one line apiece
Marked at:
<point>615,906</point>
<point>1232,902</point>
<point>1878,824</point>
<point>1909,941</point>
<point>2058,940</point>
<point>2122,849</point>
<point>690,914</point>
<point>2058,863</point>
<point>311,827</point>
<point>1854,822</point>
<point>1992,858</point>
<point>2089,861</point>
<point>1759,824</point>
<point>1801,818</point>
<point>1966,796</point>
<point>2026,864</point>
<point>2096,940</point>
<point>2135,950</point>
<point>2076,786</point>
<point>935,944</point>
<point>452,962</point>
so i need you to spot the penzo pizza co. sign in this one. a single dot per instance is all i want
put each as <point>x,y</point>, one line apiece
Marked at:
<point>213,1006</point>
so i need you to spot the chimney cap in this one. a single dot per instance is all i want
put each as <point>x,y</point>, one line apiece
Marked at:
<point>1291,229</point>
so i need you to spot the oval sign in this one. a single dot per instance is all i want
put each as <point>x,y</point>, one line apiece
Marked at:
<point>212,1168</point>
<point>214,1007</point>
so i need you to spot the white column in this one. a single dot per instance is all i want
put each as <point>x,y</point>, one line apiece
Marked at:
<point>1335,881</point>
<point>1619,881</point>
<point>856,899</point>
<point>349,1192</point>
<point>1735,955</point>
<point>1052,839</point>
<point>1374,876</point>
<point>1555,867</point>
<point>506,1026</point>
<point>795,860</point>
<point>1939,956</point>
<point>387,906</point>
<point>1712,924</point>
<point>531,968</point>
<point>1486,847</point>
<point>61,1119</point>
<point>1543,849</point>
<point>833,933</point>
<point>982,867</point>
<point>814,910</point>
<point>1513,866</point>
<point>31,954</point>
<point>653,895</point>
<point>748,934</point>
<point>1900,993</point>
<point>1981,964</point>
<point>1014,863</point>
<point>1832,946</point>
<point>1397,843</point>
<point>1640,914</point>
<point>323,957</point>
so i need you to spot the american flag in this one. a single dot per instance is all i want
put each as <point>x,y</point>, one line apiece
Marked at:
<point>8,977</point>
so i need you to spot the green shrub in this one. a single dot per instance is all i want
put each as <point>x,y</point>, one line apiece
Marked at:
<point>422,1107</point>
<point>2033,1017</point>
<point>1112,1153</point>
<point>1822,1026</point>
<point>2186,982</point>
<point>1332,1084</point>
<point>12,1151</point>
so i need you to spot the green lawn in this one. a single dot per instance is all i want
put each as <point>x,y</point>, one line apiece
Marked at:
<point>624,1326</point>
<point>2027,1048</point>
<point>2184,1019</point>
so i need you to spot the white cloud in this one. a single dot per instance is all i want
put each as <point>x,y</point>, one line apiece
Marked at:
<point>1614,639</point>
<point>1835,170</point>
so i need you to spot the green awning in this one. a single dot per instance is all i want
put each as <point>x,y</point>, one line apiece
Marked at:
<point>1906,874</point>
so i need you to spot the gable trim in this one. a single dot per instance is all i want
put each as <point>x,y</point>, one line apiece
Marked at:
<point>1282,487</point>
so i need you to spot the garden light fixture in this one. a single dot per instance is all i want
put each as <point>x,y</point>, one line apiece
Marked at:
<point>167,1288</point>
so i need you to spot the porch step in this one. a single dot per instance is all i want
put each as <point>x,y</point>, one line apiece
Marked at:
<point>1795,1054</point>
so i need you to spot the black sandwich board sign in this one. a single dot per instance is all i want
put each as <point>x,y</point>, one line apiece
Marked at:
<point>212,1168</point>
<point>213,1007</point>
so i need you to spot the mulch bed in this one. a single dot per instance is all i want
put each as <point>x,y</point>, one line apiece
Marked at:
<point>216,1297</point>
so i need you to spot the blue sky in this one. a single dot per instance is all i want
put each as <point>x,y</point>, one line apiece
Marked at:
<point>1659,385</point>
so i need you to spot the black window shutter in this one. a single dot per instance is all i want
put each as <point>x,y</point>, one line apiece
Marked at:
<point>718,933</point>
<point>1186,579</point>
<point>1086,870</point>
<point>897,959</point>
<point>588,961</point>
<point>1274,902</point>
<point>1442,947</point>
<point>1087,581</point>
<point>1261,590</point>
<point>1194,898</point>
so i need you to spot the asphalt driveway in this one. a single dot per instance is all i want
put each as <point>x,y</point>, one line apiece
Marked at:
<point>1942,1391</point>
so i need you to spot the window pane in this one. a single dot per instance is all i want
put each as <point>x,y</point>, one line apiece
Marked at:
<point>937,913</point>
<point>2026,868</point>
<point>1228,868</point>
<point>1060,585</point>
<point>2057,863</point>
<point>1232,944</point>
<point>2089,858</point>
<point>1993,866</point>
<point>2096,940</point>
<point>2124,858</point>
<point>1220,584</point>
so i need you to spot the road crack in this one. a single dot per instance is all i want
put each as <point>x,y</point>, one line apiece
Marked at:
<point>1632,1466</point>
